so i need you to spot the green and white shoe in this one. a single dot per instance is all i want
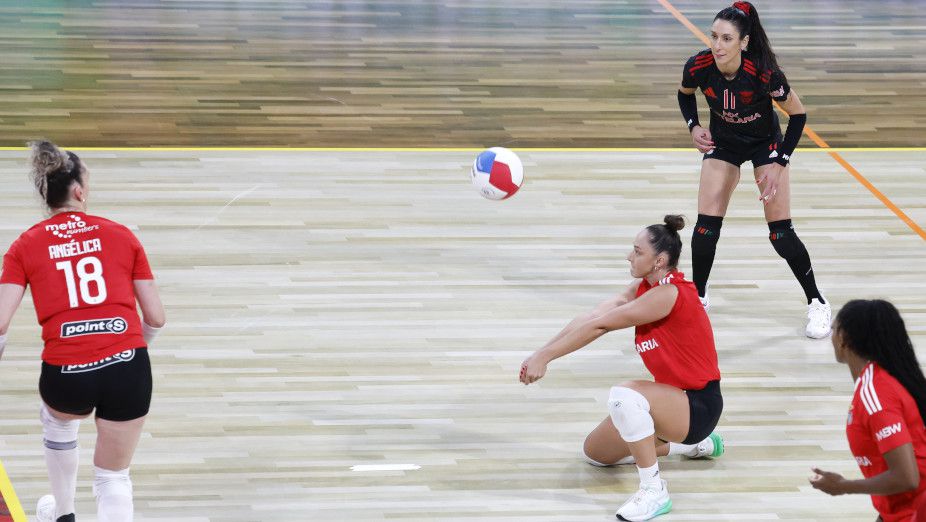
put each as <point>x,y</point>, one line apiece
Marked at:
<point>711,447</point>
<point>648,502</point>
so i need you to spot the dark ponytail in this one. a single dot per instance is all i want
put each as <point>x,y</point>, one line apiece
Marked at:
<point>53,172</point>
<point>874,330</point>
<point>665,238</point>
<point>744,16</point>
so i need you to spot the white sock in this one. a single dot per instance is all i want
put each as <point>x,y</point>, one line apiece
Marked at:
<point>62,474</point>
<point>677,448</point>
<point>113,490</point>
<point>649,476</point>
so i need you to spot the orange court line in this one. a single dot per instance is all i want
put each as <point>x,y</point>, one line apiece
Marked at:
<point>813,136</point>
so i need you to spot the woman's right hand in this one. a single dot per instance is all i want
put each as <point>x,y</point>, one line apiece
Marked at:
<point>702,139</point>
<point>533,368</point>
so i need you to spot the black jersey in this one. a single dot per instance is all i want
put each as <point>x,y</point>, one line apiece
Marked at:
<point>741,109</point>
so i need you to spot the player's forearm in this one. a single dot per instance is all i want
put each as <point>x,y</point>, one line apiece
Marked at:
<point>688,104</point>
<point>890,482</point>
<point>576,338</point>
<point>569,328</point>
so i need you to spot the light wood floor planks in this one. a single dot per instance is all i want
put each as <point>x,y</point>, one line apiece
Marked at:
<point>415,73</point>
<point>331,310</point>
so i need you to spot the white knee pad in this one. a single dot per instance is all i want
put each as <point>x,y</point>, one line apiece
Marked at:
<point>59,434</point>
<point>113,490</point>
<point>630,414</point>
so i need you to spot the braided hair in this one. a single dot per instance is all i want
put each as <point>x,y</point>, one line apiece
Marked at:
<point>873,329</point>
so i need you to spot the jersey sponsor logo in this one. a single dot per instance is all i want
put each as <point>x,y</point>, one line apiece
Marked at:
<point>778,93</point>
<point>110,325</point>
<point>74,225</point>
<point>123,356</point>
<point>734,117</point>
<point>74,248</point>
<point>863,461</point>
<point>887,431</point>
<point>647,345</point>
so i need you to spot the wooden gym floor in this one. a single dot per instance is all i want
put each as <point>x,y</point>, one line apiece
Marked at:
<point>346,326</point>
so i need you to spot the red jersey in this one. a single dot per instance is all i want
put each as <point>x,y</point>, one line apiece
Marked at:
<point>80,269</point>
<point>883,416</point>
<point>679,348</point>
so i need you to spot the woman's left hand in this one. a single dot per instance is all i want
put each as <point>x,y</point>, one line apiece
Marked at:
<point>828,482</point>
<point>533,368</point>
<point>769,179</point>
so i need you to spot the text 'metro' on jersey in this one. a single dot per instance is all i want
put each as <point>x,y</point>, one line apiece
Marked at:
<point>80,270</point>
<point>741,109</point>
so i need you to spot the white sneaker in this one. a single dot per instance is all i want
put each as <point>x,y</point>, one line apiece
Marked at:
<point>706,300</point>
<point>819,319</point>
<point>45,509</point>
<point>712,447</point>
<point>649,502</point>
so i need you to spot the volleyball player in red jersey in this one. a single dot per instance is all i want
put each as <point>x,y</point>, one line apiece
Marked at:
<point>678,412</point>
<point>86,274</point>
<point>739,77</point>
<point>885,424</point>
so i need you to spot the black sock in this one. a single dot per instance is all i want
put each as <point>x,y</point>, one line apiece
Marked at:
<point>792,249</point>
<point>703,246</point>
<point>67,518</point>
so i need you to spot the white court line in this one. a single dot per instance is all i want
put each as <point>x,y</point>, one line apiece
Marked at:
<point>385,467</point>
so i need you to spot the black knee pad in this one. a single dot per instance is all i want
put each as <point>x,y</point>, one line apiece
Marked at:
<point>706,233</point>
<point>785,240</point>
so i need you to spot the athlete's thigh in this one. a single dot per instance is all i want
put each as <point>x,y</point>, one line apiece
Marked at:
<point>778,207</point>
<point>668,406</point>
<point>718,180</point>
<point>116,442</point>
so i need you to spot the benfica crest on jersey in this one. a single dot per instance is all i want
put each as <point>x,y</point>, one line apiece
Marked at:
<point>746,96</point>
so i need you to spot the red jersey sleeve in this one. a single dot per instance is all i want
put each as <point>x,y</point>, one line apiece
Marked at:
<point>141,269</point>
<point>13,271</point>
<point>886,425</point>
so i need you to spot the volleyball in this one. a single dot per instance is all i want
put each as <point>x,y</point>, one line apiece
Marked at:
<point>497,173</point>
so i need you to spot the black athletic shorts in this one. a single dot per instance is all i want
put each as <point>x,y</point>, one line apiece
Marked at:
<point>761,154</point>
<point>704,407</point>
<point>118,386</point>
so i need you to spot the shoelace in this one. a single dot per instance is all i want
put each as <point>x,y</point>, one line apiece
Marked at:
<point>640,495</point>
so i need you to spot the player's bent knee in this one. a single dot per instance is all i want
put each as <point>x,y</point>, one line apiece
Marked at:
<point>629,411</point>
<point>786,242</point>
<point>58,434</point>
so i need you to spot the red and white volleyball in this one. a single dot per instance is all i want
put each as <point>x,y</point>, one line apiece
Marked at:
<point>497,173</point>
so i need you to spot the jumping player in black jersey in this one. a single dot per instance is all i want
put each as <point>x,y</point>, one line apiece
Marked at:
<point>739,77</point>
